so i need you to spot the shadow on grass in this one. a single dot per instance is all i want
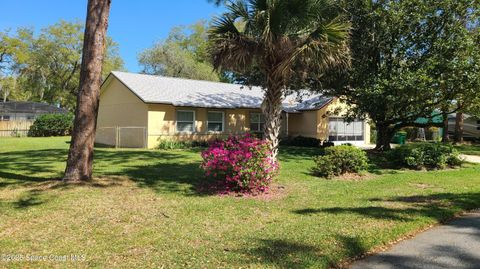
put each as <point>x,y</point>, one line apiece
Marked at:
<point>290,254</point>
<point>295,153</point>
<point>283,254</point>
<point>440,207</point>
<point>162,171</point>
<point>380,163</point>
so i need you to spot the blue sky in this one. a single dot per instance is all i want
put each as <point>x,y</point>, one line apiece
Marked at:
<point>135,25</point>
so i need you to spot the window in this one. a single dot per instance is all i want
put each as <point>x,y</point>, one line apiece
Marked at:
<point>5,118</point>
<point>340,130</point>
<point>215,121</point>
<point>257,122</point>
<point>185,121</point>
<point>30,117</point>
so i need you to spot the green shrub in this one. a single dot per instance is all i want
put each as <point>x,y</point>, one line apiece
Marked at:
<point>176,144</point>
<point>52,125</point>
<point>426,155</point>
<point>340,160</point>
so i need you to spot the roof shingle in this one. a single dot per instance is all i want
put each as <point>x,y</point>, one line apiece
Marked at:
<point>199,93</point>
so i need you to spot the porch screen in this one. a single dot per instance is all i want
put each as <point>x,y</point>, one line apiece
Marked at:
<point>340,130</point>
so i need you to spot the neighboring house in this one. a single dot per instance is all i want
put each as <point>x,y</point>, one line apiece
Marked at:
<point>16,117</point>
<point>25,111</point>
<point>471,126</point>
<point>138,110</point>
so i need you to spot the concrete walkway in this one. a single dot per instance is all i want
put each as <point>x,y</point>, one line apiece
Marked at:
<point>471,158</point>
<point>453,245</point>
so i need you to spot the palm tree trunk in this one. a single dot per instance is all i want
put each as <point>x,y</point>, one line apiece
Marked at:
<point>80,157</point>
<point>272,109</point>
<point>459,128</point>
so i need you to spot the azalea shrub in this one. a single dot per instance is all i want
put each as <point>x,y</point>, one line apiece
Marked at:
<point>239,164</point>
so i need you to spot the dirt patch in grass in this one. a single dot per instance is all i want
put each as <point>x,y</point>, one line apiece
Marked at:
<point>421,185</point>
<point>354,177</point>
<point>275,192</point>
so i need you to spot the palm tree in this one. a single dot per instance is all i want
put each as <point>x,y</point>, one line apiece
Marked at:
<point>282,40</point>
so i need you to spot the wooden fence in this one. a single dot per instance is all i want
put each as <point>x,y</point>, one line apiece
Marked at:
<point>14,128</point>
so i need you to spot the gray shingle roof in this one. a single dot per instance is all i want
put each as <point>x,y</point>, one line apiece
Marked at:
<point>199,93</point>
<point>29,107</point>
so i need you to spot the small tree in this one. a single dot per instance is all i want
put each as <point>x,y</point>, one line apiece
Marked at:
<point>277,44</point>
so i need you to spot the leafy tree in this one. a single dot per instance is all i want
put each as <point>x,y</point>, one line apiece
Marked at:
<point>182,54</point>
<point>47,67</point>
<point>9,90</point>
<point>404,56</point>
<point>80,156</point>
<point>279,43</point>
<point>466,68</point>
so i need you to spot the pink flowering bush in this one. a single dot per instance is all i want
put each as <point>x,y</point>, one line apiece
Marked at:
<point>239,164</point>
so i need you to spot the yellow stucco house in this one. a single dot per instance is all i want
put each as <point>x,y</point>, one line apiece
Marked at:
<point>138,110</point>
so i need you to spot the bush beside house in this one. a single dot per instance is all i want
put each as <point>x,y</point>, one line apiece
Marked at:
<point>52,125</point>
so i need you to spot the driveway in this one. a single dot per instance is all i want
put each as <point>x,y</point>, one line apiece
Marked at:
<point>453,245</point>
<point>471,158</point>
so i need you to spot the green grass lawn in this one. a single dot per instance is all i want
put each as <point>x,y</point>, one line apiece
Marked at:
<point>143,210</point>
<point>473,149</point>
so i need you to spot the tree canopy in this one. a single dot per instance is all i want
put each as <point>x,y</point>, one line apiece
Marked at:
<point>182,54</point>
<point>409,58</point>
<point>46,66</point>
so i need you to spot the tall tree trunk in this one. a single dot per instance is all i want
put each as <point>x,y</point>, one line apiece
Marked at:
<point>445,138</point>
<point>384,137</point>
<point>80,157</point>
<point>3,99</point>
<point>459,128</point>
<point>272,109</point>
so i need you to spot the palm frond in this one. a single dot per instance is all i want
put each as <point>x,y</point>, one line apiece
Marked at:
<point>229,47</point>
<point>324,48</point>
<point>282,37</point>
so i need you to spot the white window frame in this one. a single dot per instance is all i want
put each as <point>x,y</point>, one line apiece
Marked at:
<point>222,122</point>
<point>258,123</point>
<point>194,122</point>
